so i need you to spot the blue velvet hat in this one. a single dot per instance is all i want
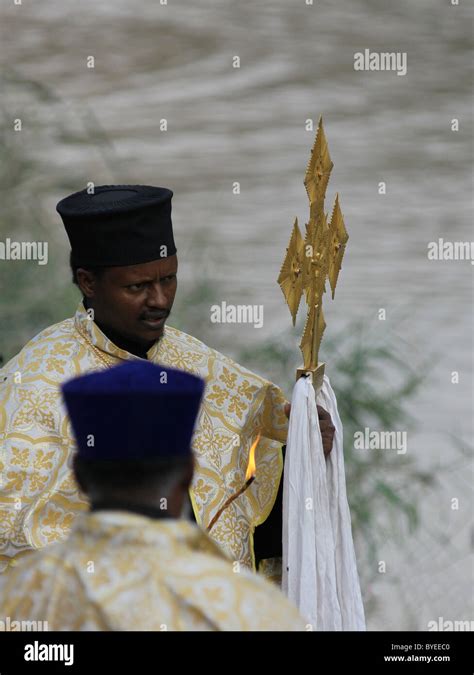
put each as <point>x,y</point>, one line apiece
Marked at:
<point>136,410</point>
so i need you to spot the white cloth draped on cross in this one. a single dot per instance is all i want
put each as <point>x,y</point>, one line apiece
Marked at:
<point>319,565</point>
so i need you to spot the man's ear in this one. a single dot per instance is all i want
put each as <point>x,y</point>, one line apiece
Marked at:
<point>76,469</point>
<point>188,474</point>
<point>86,280</point>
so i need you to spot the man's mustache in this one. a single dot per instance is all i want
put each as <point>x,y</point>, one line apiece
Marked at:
<point>152,316</point>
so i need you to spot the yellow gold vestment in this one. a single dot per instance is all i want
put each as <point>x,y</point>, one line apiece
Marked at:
<point>38,495</point>
<point>123,571</point>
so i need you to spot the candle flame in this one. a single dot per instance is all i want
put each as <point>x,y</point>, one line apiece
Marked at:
<point>251,466</point>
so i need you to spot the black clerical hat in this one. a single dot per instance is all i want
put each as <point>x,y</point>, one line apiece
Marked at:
<point>116,225</point>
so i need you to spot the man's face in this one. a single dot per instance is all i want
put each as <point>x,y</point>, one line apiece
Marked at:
<point>133,301</point>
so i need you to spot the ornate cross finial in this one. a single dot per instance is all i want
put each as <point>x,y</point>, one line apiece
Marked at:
<point>310,261</point>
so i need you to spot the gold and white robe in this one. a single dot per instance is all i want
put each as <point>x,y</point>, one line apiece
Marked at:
<point>123,571</point>
<point>39,499</point>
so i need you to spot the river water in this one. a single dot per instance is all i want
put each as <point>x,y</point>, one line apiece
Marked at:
<point>247,125</point>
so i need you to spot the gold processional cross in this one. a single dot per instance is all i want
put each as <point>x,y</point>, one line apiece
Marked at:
<point>307,264</point>
<point>309,261</point>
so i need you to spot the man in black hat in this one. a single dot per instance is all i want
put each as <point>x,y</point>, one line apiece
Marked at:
<point>123,258</point>
<point>124,262</point>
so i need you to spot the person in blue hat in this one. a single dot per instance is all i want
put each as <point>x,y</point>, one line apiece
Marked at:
<point>133,426</point>
<point>131,562</point>
<point>124,261</point>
